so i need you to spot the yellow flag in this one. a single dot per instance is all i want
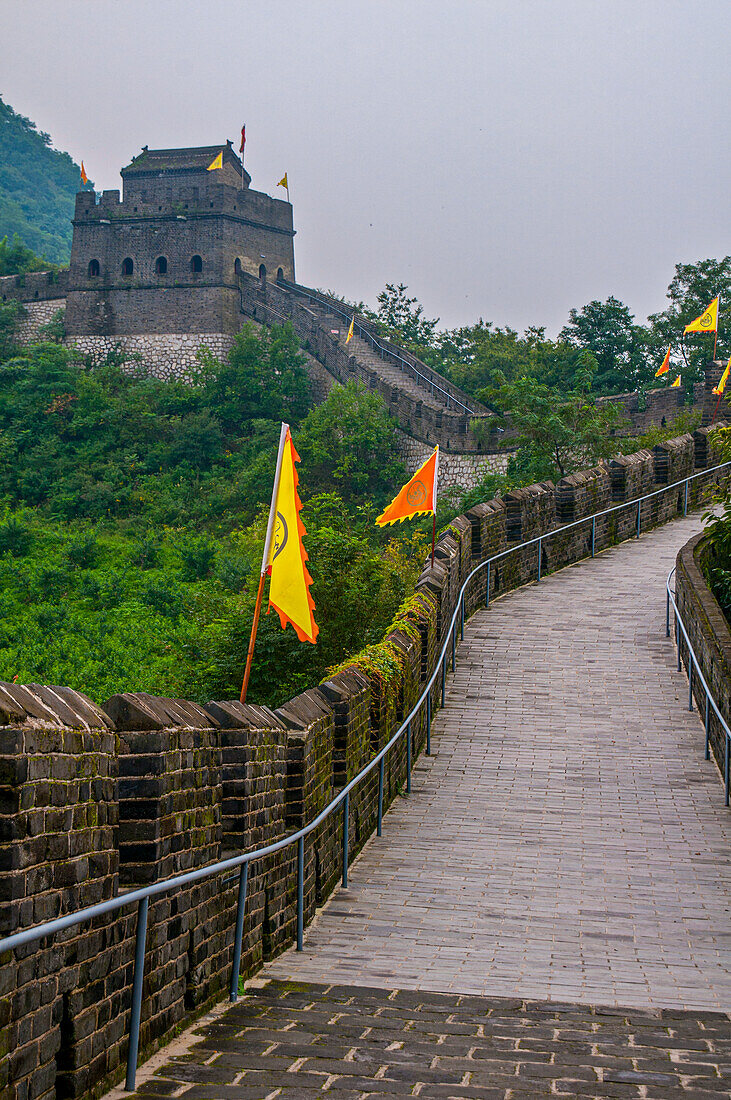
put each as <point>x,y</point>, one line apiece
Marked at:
<point>718,390</point>
<point>283,182</point>
<point>217,163</point>
<point>289,589</point>
<point>665,364</point>
<point>349,337</point>
<point>708,320</point>
<point>675,383</point>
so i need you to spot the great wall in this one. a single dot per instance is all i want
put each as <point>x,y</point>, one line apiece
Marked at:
<point>96,801</point>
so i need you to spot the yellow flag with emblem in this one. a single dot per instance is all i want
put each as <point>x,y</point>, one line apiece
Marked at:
<point>283,182</point>
<point>707,321</point>
<point>217,163</point>
<point>675,383</point>
<point>349,337</point>
<point>289,587</point>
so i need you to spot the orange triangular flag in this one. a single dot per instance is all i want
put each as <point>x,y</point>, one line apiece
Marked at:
<point>665,364</point>
<point>289,588</point>
<point>84,177</point>
<point>418,497</point>
<point>675,383</point>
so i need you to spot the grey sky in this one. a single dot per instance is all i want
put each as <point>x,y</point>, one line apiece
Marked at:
<point>505,159</point>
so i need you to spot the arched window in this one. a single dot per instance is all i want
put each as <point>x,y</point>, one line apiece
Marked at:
<point>237,267</point>
<point>280,275</point>
<point>127,267</point>
<point>93,269</point>
<point>196,265</point>
<point>262,272</point>
<point>161,266</point>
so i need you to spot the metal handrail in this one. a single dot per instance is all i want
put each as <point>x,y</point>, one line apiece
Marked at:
<point>142,896</point>
<point>710,701</point>
<point>320,299</point>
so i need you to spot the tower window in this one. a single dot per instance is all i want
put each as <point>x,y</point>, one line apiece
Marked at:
<point>196,265</point>
<point>127,267</point>
<point>262,271</point>
<point>237,266</point>
<point>93,271</point>
<point>280,274</point>
<point>161,266</point>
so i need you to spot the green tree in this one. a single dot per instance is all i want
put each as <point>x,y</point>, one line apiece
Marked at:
<point>263,378</point>
<point>556,432</point>
<point>402,318</point>
<point>608,331</point>
<point>691,289</point>
<point>348,445</point>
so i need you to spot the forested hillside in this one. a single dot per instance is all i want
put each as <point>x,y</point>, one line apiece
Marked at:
<point>37,188</point>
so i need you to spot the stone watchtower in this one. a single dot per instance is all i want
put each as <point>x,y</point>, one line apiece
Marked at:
<point>157,270</point>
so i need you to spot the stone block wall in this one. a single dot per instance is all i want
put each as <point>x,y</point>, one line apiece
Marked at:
<point>710,637</point>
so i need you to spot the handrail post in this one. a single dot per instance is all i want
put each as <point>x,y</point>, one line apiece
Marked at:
<point>677,638</point>
<point>685,502</point>
<point>136,1014</point>
<point>379,825</point>
<point>408,758</point>
<point>726,768</point>
<point>428,723</point>
<point>667,612</point>
<point>300,891</point>
<point>454,648</point>
<point>639,516</point>
<point>461,618</point>
<point>690,681</point>
<point>708,726</point>
<point>346,816</point>
<point>593,535</point>
<point>487,587</point>
<point>540,544</point>
<point>444,678</point>
<point>239,932</point>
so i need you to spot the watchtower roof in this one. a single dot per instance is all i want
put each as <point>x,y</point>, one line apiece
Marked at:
<point>187,162</point>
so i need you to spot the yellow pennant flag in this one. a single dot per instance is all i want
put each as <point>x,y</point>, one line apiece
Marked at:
<point>718,390</point>
<point>283,182</point>
<point>665,364</point>
<point>708,320</point>
<point>349,337</point>
<point>289,589</point>
<point>217,163</point>
<point>675,383</point>
<point>418,497</point>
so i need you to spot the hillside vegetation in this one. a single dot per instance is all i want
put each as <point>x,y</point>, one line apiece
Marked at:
<point>38,185</point>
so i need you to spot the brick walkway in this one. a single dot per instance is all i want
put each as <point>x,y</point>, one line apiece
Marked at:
<point>568,840</point>
<point>567,847</point>
<point>350,1044</point>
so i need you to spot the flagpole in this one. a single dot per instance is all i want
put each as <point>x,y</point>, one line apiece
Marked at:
<point>434,505</point>
<point>715,342</point>
<point>264,561</point>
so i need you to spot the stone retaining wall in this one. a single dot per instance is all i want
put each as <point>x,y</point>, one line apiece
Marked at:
<point>710,636</point>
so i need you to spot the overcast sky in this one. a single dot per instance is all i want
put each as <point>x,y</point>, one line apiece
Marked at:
<point>507,160</point>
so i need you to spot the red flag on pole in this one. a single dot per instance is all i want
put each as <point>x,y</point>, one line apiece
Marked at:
<point>243,138</point>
